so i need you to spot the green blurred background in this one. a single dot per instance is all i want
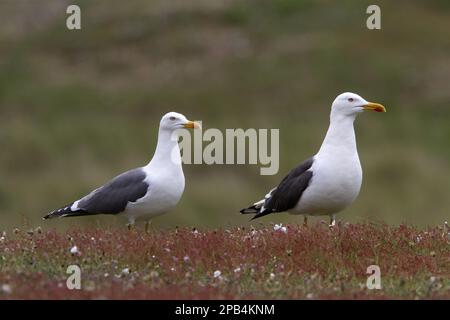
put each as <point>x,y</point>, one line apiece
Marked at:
<point>78,107</point>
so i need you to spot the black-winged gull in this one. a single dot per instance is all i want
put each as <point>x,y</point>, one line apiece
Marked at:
<point>329,181</point>
<point>144,192</point>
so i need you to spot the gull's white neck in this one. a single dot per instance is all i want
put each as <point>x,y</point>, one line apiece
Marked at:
<point>340,137</point>
<point>167,153</point>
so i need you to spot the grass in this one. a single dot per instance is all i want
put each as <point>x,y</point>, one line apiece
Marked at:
<point>234,263</point>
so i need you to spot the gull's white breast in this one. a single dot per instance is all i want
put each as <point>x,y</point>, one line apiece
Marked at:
<point>335,184</point>
<point>166,186</point>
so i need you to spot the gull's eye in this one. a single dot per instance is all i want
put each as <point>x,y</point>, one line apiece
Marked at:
<point>172,118</point>
<point>350,99</point>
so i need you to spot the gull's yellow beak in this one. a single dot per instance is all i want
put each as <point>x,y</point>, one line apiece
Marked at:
<point>192,125</point>
<point>375,107</point>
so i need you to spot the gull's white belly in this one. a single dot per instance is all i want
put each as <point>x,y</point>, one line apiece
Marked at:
<point>335,184</point>
<point>163,194</point>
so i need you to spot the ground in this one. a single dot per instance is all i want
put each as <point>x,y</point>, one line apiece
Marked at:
<point>264,262</point>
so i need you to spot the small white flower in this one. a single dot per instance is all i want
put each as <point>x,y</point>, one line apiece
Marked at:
<point>217,273</point>
<point>172,269</point>
<point>2,239</point>
<point>238,269</point>
<point>272,276</point>
<point>74,250</point>
<point>309,296</point>
<point>186,258</point>
<point>6,288</point>
<point>126,271</point>
<point>279,227</point>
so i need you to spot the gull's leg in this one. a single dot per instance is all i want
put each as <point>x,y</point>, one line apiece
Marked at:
<point>148,223</point>
<point>305,221</point>
<point>130,224</point>
<point>332,221</point>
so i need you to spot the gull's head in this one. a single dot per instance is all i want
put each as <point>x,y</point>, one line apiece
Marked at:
<point>172,121</point>
<point>350,104</point>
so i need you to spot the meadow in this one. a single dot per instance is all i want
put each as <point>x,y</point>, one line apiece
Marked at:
<point>261,262</point>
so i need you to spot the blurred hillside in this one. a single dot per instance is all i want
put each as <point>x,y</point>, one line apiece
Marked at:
<point>78,107</point>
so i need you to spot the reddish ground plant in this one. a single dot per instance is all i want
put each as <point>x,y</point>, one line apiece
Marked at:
<point>235,263</point>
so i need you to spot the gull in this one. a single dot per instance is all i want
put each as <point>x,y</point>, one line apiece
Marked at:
<point>144,192</point>
<point>328,182</point>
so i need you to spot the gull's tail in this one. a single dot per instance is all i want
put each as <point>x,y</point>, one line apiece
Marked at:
<point>250,210</point>
<point>257,209</point>
<point>65,211</point>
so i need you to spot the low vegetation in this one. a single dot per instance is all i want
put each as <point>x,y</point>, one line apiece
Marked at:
<point>280,262</point>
